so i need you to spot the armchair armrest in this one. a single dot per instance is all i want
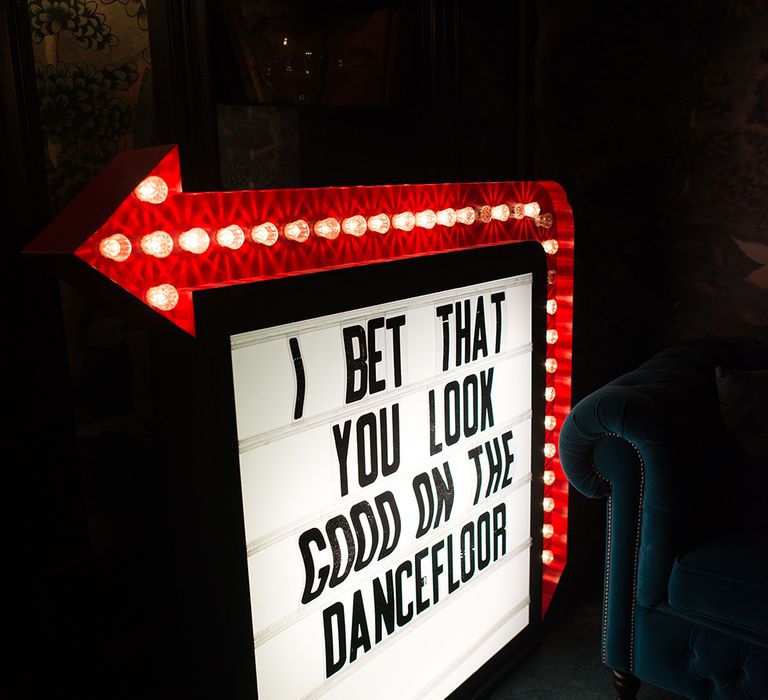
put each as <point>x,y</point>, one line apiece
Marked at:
<point>651,442</point>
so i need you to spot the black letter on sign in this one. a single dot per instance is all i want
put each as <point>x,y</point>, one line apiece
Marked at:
<point>356,515</point>
<point>342,450</point>
<point>331,528</point>
<point>387,546</point>
<point>444,312</point>
<point>312,535</point>
<point>335,610</point>
<point>356,364</point>
<point>395,324</point>
<point>496,300</point>
<point>298,368</point>
<point>360,637</point>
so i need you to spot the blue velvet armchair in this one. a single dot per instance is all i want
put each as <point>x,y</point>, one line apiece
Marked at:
<point>678,449</point>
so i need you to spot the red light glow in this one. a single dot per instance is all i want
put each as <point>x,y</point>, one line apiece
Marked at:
<point>163,297</point>
<point>296,231</point>
<point>158,244</point>
<point>153,190</point>
<point>327,228</point>
<point>404,221</point>
<point>355,225</point>
<point>116,247</point>
<point>231,237</point>
<point>379,223</point>
<point>266,234</point>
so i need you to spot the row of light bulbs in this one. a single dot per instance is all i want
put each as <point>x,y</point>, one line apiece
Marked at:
<point>550,422</point>
<point>197,240</point>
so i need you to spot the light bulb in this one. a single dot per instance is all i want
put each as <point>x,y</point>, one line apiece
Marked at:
<point>547,530</point>
<point>547,557</point>
<point>552,336</point>
<point>297,231</point>
<point>550,365</point>
<point>549,477</point>
<point>158,244</point>
<point>543,220</point>
<point>500,212</point>
<point>548,504</point>
<point>517,210</point>
<point>327,228</point>
<point>379,223</point>
<point>196,240</point>
<point>404,221</point>
<point>426,219</point>
<point>116,247</point>
<point>266,233</point>
<point>446,217</point>
<point>466,215</point>
<point>230,237</point>
<point>549,393</point>
<point>551,276</point>
<point>551,306</point>
<point>355,225</point>
<point>153,190</point>
<point>549,450</point>
<point>550,246</point>
<point>550,423</point>
<point>483,213</point>
<point>531,209</point>
<point>163,297</point>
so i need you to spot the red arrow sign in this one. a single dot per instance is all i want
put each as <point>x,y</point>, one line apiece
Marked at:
<point>135,225</point>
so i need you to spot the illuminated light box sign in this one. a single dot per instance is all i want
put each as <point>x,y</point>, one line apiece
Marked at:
<point>387,482</point>
<point>387,489</point>
<point>416,337</point>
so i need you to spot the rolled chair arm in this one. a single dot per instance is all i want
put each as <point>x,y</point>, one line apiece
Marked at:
<point>653,444</point>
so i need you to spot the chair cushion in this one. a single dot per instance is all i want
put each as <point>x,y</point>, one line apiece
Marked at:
<point>724,584</point>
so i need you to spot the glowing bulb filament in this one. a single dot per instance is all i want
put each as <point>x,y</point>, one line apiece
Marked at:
<point>266,233</point>
<point>158,244</point>
<point>231,237</point>
<point>163,297</point>
<point>549,477</point>
<point>297,231</point>
<point>355,225</point>
<point>549,450</point>
<point>500,212</point>
<point>550,365</point>
<point>551,306</point>
<point>547,557</point>
<point>327,228</point>
<point>379,223</point>
<point>196,240</point>
<point>531,209</point>
<point>552,336</point>
<point>550,423</point>
<point>547,531</point>
<point>549,393</point>
<point>550,246</point>
<point>466,215</point>
<point>116,247</point>
<point>548,504</point>
<point>426,219</point>
<point>404,221</point>
<point>153,190</point>
<point>446,217</point>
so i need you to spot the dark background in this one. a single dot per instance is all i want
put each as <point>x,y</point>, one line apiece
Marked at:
<point>653,116</point>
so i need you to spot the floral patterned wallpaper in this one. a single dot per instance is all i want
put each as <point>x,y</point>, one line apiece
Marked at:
<point>93,74</point>
<point>654,116</point>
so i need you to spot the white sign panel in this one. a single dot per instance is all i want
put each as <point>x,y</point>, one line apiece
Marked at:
<point>385,460</point>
